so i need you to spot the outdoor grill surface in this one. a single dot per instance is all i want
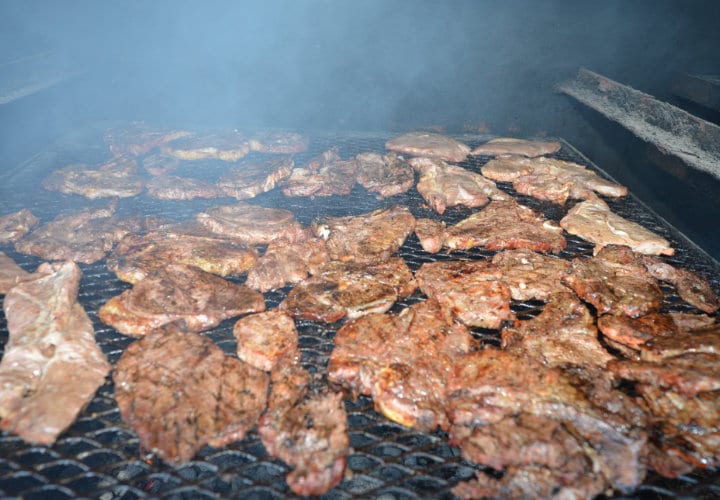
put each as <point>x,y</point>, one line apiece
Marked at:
<point>99,455</point>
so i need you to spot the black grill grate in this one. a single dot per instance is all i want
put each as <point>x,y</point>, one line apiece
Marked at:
<point>99,456</point>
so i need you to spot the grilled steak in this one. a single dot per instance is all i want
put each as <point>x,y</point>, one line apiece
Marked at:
<point>700,340</point>
<point>252,224</point>
<point>470,292</point>
<point>286,263</point>
<point>10,274</point>
<point>52,366</point>
<point>159,164</point>
<point>250,178</point>
<point>16,225</point>
<point>592,220</point>
<point>531,275</point>
<point>323,175</point>
<point>278,142</point>
<point>402,361</point>
<point>171,187</point>
<point>347,289</point>
<point>505,225</point>
<point>687,374</point>
<point>386,175</point>
<point>615,282</point>
<point>370,237</point>
<point>444,185</point>
<point>264,338</point>
<point>179,391</point>
<point>116,177</point>
<point>430,145</point>
<point>226,145</point>
<point>430,233</point>
<point>138,138</point>
<point>502,146</point>
<point>629,334</point>
<point>692,288</point>
<point>178,293</point>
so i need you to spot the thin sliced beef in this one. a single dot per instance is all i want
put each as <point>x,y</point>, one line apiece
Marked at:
<point>692,288</point>
<point>16,225</point>
<point>386,175</point>
<point>250,178</point>
<point>278,142</point>
<point>171,187</point>
<point>252,224</point>
<point>226,145</point>
<point>531,275</point>
<point>430,145</point>
<point>285,263</point>
<point>116,177</point>
<point>502,146</point>
<point>264,338</point>
<point>52,366</point>
<point>10,274</point>
<point>137,138</point>
<point>179,392</point>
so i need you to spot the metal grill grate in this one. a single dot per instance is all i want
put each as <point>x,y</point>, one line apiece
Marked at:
<point>99,456</point>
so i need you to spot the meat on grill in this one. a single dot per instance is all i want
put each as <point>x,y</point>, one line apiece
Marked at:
<point>593,221</point>
<point>198,299</point>
<point>136,256</point>
<point>444,185</point>
<point>16,225</point>
<point>10,274</point>
<point>531,275</point>
<point>430,233</point>
<point>172,187</point>
<point>323,175</point>
<point>402,360</point>
<point>264,338</point>
<point>614,282</point>
<point>160,164</point>
<point>504,225</point>
<point>692,288</point>
<point>226,145</point>
<point>629,334</point>
<point>348,289</point>
<point>252,224</point>
<point>278,142</point>
<point>386,175</point>
<point>138,138</point>
<point>52,366</point>
<point>430,145</point>
<point>179,392</point>
<point>366,238</point>
<point>248,179</point>
<point>471,292</point>
<point>116,177</point>
<point>502,146</point>
<point>285,263</point>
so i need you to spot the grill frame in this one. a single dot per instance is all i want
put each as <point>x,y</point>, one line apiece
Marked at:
<point>98,456</point>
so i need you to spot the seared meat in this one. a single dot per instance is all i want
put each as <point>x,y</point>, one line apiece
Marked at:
<point>179,391</point>
<point>629,334</point>
<point>10,274</point>
<point>286,263</point>
<point>370,237</point>
<point>470,292</point>
<point>507,169</point>
<point>430,233</point>
<point>116,177</point>
<point>52,366</point>
<point>159,164</point>
<point>592,220</point>
<point>227,145</point>
<point>430,145</point>
<point>615,282</point>
<point>402,361</point>
<point>505,225</point>
<point>692,288</point>
<point>250,178</point>
<point>264,338</point>
<point>171,187</point>
<point>531,275</point>
<point>701,340</point>
<point>16,225</point>
<point>323,175</point>
<point>346,289</point>
<point>502,146</point>
<point>201,300</point>
<point>386,175</point>
<point>444,185</point>
<point>687,374</point>
<point>278,142</point>
<point>252,224</point>
<point>138,138</point>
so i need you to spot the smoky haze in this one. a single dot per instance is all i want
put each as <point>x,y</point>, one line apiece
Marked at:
<point>348,65</point>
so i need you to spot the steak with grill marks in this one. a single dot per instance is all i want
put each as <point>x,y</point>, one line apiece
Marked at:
<point>138,138</point>
<point>250,178</point>
<point>286,263</point>
<point>198,299</point>
<point>502,146</point>
<point>402,360</point>
<point>278,142</point>
<point>16,225</point>
<point>52,366</point>
<point>116,177</point>
<point>614,282</point>
<point>692,288</point>
<point>252,224</point>
<point>10,274</point>
<point>531,275</point>
<point>171,187</point>
<point>386,175</point>
<point>179,392</point>
<point>430,145</point>
<point>469,292</point>
<point>264,338</point>
<point>226,145</point>
<point>443,185</point>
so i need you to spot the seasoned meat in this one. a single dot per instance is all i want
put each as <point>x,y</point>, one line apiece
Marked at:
<point>614,282</point>
<point>226,145</point>
<point>136,256</point>
<point>443,185</point>
<point>10,274</point>
<point>702,340</point>
<point>531,275</point>
<point>324,175</point>
<point>178,293</point>
<point>171,187</point>
<point>369,237</point>
<point>430,145</point>
<point>507,169</point>
<point>248,179</point>
<point>264,338</point>
<point>346,289</point>
<point>505,225</point>
<point>116,177</point>
<point>502,146</point>
<point>402,361</point>
<point>252,224</point>
<point>159,164</point>
<point>430,233</point>
<point>278,142</point>
<point>691,287</point>
<point>138,138</point>
<point>386,175</point>
<point>16,225</point>
<point>179,392</point>
<point>592,220</point>
<point>470,292</point>
<point>632,333</point>
<point>52,366</point>
<point>286,263</point>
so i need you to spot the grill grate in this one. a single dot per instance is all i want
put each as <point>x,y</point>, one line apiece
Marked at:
<point>99,456</point>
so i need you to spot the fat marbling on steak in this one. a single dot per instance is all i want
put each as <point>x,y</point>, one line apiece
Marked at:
<point>226,145</point>
<point>502,146</point>
<point>386,175</point>
<point>286,262</point>
<point>179,392</point>
<point>138,138</point>
<point>430,145</point>
<point>52,366</point>
<point>173,187</point>
<point>264,338</point>
<point>116,177</point>
<point>252,223</point>
<point>16,225</point>
<point>278,142</point>
<point>248,179</point>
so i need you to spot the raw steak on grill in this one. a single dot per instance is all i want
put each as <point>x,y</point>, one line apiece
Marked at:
<point>16,225</point>
<point>502,146</point>
<point>116,177</point>
<point>692,288</point>
<point>278,142</point>
<point>286,263</point>
<point>179,392</point>
<point>264,338</point>
<point>430,145</point>
<point>252,224</point>
<point>386,175</point>
<point>227,145</point>
<point>10,274</point>
<point>172,187</point>
<point>138,138</point>
<point>52,366</point>
<point>531,275</point>
<point>324,175</point>
<point>248,179</point>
